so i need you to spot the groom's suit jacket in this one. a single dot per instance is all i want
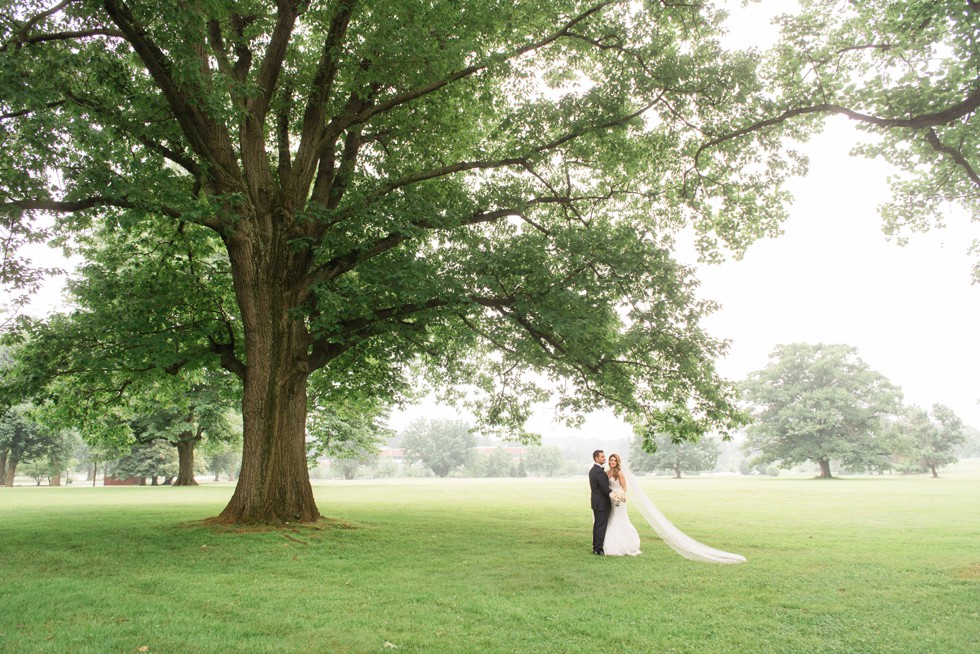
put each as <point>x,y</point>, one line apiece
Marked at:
<point>599,482</point>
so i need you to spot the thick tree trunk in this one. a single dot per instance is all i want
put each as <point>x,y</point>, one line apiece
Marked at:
<point>677,472</point>
<point>55,480</point>
<point>185,455</point>
<point>935,475</point>
<point>825,469</point>
<point>11,470</point>
<point>274,481</point>
<point>3,468</point>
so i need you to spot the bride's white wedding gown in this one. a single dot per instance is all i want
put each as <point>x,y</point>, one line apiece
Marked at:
<point>622,539</point>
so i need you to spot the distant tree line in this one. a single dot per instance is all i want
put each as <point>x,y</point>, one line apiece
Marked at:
<point>450,447</point>
<point>819,405</point>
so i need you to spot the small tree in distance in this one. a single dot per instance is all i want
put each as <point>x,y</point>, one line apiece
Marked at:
<point>928,440</point>
<point>545,460</point>
<point>685,456</point>
<point>440,445</point>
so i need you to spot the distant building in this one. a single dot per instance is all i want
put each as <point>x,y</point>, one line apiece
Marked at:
<point>394,454</point>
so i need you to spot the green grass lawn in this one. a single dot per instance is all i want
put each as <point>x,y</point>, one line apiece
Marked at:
<point>858,565</point>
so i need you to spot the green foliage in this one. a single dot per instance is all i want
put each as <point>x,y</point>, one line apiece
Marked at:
<point>441,445</point>
<point>200,413</point>
<point>138,341</point>
<point>224,458</point>
<point>677,457</point>
<point>928,440</point>
<point>24,437</point>
<point>37,469</point>
<point>817,403</point>
<point>56,459</point>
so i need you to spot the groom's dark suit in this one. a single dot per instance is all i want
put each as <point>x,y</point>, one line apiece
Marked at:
<point>601,506</point>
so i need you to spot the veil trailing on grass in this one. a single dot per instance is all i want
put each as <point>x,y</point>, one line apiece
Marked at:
<point>674,537</point>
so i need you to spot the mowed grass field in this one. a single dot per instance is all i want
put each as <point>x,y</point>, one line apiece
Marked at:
<point>884,564</point>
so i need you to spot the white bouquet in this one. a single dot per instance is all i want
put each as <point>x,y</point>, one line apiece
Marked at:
<point>618,497</point>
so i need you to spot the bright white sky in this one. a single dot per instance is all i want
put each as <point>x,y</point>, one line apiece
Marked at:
<point>832,277</point>
<point>911,311</point>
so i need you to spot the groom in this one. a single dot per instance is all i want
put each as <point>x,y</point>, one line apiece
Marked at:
<point>601,505</point>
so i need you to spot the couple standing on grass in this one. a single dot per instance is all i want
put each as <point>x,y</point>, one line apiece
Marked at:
<point>612,532</point>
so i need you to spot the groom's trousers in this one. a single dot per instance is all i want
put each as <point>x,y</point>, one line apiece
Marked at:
<point>600,520</point>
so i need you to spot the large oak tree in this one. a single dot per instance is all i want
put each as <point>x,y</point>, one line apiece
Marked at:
<point>416,182</point>
<point>482,190</point>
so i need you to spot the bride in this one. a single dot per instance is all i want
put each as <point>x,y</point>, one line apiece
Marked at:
<point>622,537</point>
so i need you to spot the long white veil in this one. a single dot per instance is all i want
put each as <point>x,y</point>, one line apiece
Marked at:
<point>674,537</point>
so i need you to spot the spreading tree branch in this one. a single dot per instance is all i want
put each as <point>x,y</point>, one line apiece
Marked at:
<point>312,140</point>
<point>207,137</point>
<point>920,122</point>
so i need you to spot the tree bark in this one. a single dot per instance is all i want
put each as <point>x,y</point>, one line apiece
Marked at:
<point>3,468</point>
<point>825,469</point>
<point>935,475</point>
<point>185,454</point>
<point>274,481</point>
<point>677,472</point>
<point>11,470</point>
<point>55,480</point>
